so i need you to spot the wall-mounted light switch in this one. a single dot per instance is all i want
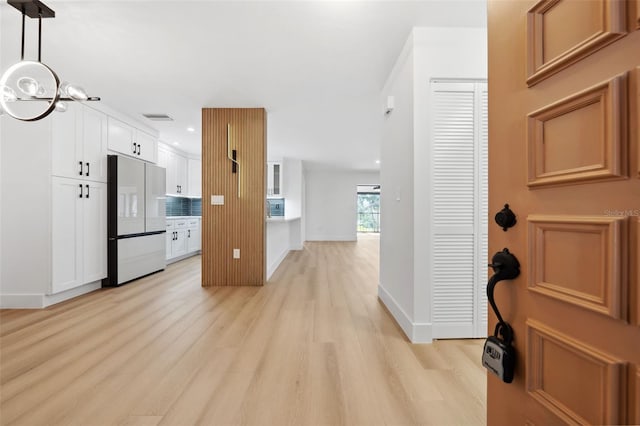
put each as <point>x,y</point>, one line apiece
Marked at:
<point>236,253</point>
<point>217,200</point>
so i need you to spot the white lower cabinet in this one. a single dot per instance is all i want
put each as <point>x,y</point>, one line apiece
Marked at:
<point>183,237</point>
<point>179,246</point>
<point>194,238</point>
<point>79,233</point>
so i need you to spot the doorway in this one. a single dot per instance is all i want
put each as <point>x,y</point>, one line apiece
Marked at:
<point>368,209</point>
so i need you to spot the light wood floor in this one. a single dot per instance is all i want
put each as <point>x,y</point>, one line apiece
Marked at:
<point>314,346</point>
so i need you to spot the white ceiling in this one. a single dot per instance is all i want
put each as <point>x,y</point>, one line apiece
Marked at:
<point>316,66</point>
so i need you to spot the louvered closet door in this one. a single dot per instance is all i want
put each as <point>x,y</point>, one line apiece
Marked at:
<point>459,197</point>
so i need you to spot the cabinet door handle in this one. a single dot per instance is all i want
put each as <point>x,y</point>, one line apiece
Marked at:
<point>87,196</point>
<point>80,173</point>
<point>189,233</point>
<point>139,149</point>
<point>134,147</point>
<point>87,169</point>
<point>80,185</point>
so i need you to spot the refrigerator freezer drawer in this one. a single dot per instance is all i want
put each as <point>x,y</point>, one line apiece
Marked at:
<point>140,256</point>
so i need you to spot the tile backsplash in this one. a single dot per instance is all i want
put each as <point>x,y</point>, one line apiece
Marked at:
<point>276,206</point>
<point>183,206</point>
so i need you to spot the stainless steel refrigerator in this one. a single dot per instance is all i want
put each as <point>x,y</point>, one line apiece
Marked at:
<point>136,224</point>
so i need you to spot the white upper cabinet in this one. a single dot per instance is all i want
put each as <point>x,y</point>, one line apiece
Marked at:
<point>147,146</point>
<point>94,136</point>
<point>79,144</point>
<point>121,138</point>
<point>130,141</point>
<point>176,166</point>
<point>181,174</point>
<point>195,178</point>
<point>274,179</point>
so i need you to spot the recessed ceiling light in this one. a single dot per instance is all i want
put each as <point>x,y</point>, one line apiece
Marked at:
<point>176,143</point>
<point>190,129</point>
<point>377,161</point>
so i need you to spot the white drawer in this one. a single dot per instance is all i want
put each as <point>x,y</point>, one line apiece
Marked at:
<point>170,224</point>
<point>180,223</point>
<point>193,223</point>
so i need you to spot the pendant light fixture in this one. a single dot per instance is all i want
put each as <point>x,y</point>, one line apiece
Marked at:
<point>30,90</point>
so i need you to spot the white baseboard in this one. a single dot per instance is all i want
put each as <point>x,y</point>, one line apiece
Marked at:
<point>183,257</point>
<point>332,238</point>
<point>274,265</point>
<point>70,294</point>
<point>39,301</point>
<point>21,301</point>
<point>416,332</point>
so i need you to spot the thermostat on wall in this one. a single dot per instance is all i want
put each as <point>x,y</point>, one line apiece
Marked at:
<point>217,200</point>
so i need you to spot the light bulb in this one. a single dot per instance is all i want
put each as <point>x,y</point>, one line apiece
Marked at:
<point>77,93</point>
<point>28,86</point>
<point>63,89</point>
<point>41,91</point>
<point>8,95</point>
<point>61,106</point>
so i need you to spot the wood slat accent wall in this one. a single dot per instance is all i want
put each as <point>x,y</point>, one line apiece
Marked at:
<point>240,222</point>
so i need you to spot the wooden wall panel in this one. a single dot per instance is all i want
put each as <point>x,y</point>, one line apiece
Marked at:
<point>240,222</point>
<point>580,138</point>
<point>562,32</point>
<point>579,260</point>
<point>556,361</point>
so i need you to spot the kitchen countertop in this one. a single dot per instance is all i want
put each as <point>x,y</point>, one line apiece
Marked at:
<point>281,219</point>
<point>184,217</point>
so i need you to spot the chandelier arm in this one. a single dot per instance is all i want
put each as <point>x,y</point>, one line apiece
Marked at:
<point>23,19</point>
<point>39,35</point>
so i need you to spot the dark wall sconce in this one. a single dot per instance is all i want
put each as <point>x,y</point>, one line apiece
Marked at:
<point>232,155</point>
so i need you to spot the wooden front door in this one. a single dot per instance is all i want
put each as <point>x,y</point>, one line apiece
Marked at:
<point>564,130</point>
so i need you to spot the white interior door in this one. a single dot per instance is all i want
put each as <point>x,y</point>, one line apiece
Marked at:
<point>459,209</point>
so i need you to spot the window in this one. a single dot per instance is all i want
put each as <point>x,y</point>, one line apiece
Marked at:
<point>368,212</point>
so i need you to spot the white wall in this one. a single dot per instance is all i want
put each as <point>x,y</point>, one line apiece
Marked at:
<point>287,234</point>
<point>292,187</point>
<point>430,53</point>
<point>331,203</point>
<point>25,188</point>
<point>396,192</point>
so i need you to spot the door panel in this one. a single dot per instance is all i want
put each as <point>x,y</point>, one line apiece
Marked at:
<point>66,233</point>
<point>580,138</point>
<point>557,365</point>
<point>95,232</point>
<point>94,132</point>
<point>66,143</point>
<point>564,154</point>
<point>131,190</point>
<point>554,45</point>
<point>155,200</point>
<point>579,260</point>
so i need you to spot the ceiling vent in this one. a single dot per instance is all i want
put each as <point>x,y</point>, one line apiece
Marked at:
<point>158,117</point>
